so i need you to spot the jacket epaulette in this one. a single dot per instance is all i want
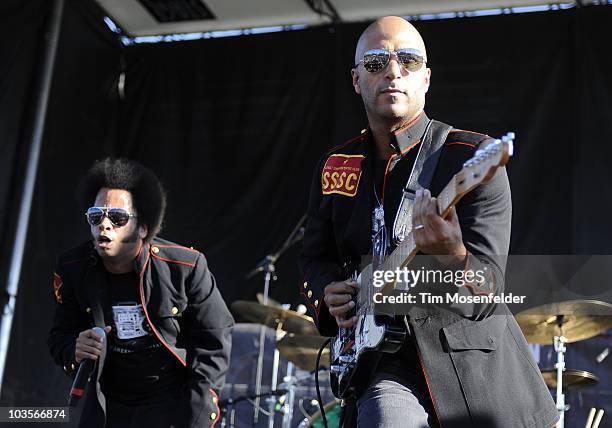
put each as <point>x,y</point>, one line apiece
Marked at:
<point>173,253</point>
<point>456,137</point>
<point>358,139</point>
<point>158,248</point>
<point>460,137</point>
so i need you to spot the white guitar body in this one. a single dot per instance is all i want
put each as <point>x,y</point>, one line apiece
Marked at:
<point>350,345</point>
<point>368,335</point>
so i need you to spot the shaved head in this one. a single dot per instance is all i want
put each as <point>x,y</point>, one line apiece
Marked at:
<point>393,96</point>
<point>389,28</point>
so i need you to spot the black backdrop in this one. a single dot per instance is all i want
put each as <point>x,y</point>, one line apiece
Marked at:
<point>234,126</point>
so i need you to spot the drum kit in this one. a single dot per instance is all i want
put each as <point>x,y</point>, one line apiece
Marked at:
<point>559,324</point>
<point>294,342</point>
<point>297,341</point>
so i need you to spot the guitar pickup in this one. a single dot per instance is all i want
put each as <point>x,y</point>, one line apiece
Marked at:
<point>409,193</point>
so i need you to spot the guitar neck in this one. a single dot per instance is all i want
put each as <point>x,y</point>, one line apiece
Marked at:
<point>476,171</point>
<point>405,252</point>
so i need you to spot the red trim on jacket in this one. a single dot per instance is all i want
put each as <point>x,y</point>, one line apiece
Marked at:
<point>455,143</point>
<point>216,404</point>
<point>177,246</point>
<point>427,382</point>
<point>174,261</point>
<point>146,312</point>
<point>77,392</point>
<point>316,309</point>
<point>469,132</point>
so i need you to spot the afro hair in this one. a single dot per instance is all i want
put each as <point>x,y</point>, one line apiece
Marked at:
<point>148,195</point>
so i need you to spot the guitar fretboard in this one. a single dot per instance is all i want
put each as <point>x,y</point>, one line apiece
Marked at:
<point>405,251</point>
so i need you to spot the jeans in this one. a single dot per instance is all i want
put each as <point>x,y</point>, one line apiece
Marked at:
<point>392,401</point>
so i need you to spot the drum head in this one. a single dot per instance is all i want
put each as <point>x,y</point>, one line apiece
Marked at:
<point>332,414</point>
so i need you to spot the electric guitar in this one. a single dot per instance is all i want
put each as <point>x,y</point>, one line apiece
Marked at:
<point>353,349</point>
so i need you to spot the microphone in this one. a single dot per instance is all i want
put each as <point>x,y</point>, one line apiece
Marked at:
<point>82,377</point>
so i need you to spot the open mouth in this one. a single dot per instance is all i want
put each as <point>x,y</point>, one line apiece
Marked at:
<point>104,241</point>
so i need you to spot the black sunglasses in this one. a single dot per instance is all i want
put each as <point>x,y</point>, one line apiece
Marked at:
<point>375,60</point>
<point>117,216</point>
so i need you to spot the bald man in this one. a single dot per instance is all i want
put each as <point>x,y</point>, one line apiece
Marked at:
<point>465,366</point>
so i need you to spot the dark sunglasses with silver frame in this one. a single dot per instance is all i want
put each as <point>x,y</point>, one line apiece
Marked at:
<point>117,216</point>
<point>375,60</point>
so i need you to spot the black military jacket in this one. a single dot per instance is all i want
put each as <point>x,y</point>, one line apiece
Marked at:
<point>182,305</point>
<point>338,231</point>
<point>476,362</point>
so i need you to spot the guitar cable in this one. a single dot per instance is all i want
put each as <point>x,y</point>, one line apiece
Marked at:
<point>317,364</point>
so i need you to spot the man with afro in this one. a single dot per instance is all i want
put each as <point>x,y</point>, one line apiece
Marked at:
<point>167,341</point>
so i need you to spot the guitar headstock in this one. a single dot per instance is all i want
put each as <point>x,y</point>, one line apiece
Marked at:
<point>480,168</point>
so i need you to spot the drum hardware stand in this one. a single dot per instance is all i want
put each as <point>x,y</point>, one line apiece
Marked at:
<point>291,381</point>
<point>275,363</point>
<point>290,384</point>
<point>267,266</point>
<point>588,319</point>
<point>223,404</point>
<point>560,348</point>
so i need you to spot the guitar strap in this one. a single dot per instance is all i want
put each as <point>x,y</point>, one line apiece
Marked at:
<point>420,176</point>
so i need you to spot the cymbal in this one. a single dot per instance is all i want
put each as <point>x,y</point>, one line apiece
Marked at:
<point>271,301</point>
<point>274,317</point>
<point>572,379</point>
<point>301,350</point>
<point>580,319</point>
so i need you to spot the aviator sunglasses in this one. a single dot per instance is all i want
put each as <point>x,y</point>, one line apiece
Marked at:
<point>117,216</point>
<point>375,60</point>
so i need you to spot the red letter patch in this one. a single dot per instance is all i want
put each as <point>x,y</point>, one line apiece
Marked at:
<point>341,175</point>
<point>57,285</point>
